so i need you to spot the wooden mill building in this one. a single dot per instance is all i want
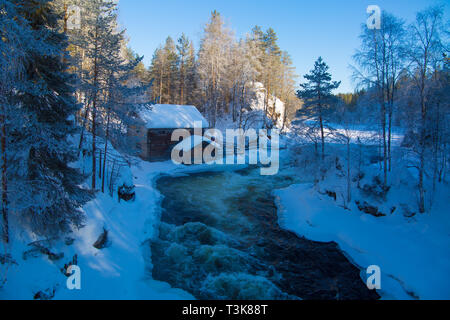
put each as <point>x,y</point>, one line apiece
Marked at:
<point>158,123</point>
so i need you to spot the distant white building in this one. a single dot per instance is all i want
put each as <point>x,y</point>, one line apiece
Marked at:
<point>158,123</point>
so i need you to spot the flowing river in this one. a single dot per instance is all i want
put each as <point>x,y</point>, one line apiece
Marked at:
<point>219,238</point>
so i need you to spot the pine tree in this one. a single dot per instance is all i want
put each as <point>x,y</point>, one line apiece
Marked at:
<point>172,71</point>
<point>268,65</point>
<point>256,47</point>
<point>186,62</point>
<point>164,72</point>
<point>50,198</point>
<point>157,75</point>
<point>223,79</point>
<point>139,72</point>
<point>17,39</point>
<point>191,92</point>
<point>317,96</point>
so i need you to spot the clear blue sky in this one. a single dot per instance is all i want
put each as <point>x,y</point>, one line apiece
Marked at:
<point>306,29</point>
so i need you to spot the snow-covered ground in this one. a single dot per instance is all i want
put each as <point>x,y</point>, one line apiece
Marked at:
<point>366,137</point>
<point>413,253</point>
<point>122,270</point>
<point>119,271</point>
<point>116,272</point>
<point>334,132</point>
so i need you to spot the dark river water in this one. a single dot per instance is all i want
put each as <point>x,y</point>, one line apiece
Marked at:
<point>219,238</point>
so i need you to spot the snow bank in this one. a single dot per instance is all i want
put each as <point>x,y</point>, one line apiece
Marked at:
<point>120,271</point>
<point>412,253</point>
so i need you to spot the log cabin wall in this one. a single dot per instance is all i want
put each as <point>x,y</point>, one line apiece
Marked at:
<point>159,145</point>
<point>140,132</point>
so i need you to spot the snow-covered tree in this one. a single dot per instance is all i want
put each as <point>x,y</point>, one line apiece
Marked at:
<point>287,88</point>
<point>186,70</point>
<point>213,57</point>
<point>108,82</point>
<point>17,38</point>
<point>241,74</point>
<point>270,66</point>
<point>164,73</point>
<point>425,51</point>
<point>45,192</point>
<point>381,61</point>
<point>317,97</point>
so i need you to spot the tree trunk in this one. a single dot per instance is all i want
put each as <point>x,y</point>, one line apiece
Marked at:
<point>4,182</point>
<point>106,152</point>
<point>285,114</point>
<point>94,162</point>
<point>161,75</point>
<point>390,137</point>
<point>422,150</point>
<point>168,87</point>
<point>241,106</point>
<point>266,104</point>
<point>234,105</point>
<point>183,75</point>
<point>322,133</point>
<point>385,161</point>
<point>83,127</point>
<point>100,165</point>
<point>94,109</point>
<point>349,179</point>
<point>421,181</point>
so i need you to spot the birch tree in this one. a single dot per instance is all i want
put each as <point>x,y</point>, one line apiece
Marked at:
<point>425,50</point>
<point>381,61</point>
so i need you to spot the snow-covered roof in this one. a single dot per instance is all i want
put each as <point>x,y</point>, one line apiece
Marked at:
<point>170,116</point>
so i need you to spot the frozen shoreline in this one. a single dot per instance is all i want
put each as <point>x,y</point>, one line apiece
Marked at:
<point>119,271</point>
<point>412,254</point>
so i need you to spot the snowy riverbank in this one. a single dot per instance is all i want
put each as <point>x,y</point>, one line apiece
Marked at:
<point>119,271</point>
<point>116,272</point>
<point>411,252</point>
